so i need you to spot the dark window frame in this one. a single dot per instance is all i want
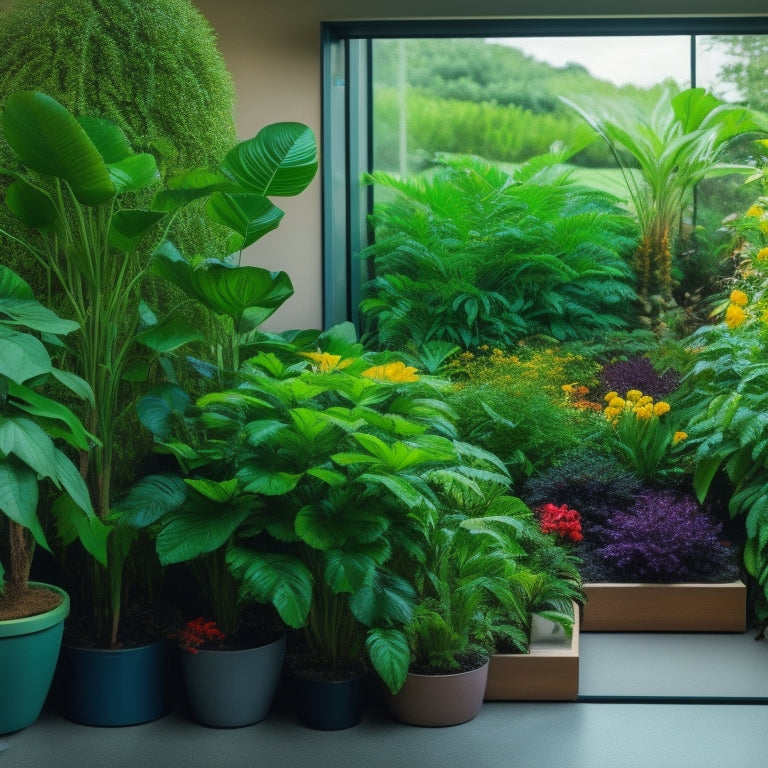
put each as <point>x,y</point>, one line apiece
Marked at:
<point>347,124</point>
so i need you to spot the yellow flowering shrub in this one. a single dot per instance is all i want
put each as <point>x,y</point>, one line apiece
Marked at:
<point>642,436</point>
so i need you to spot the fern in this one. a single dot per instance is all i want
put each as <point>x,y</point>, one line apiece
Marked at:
<point>472,255</point>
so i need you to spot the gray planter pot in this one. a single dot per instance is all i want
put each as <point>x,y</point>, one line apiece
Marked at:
<point>230,689</point>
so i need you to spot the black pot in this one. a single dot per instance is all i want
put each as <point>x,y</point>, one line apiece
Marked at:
<point>329,705</point>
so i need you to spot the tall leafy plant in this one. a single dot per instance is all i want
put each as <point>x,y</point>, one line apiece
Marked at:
<point>30,423</point>
<point>74,199</point>
<point>663,152</point>
<point>472,255</point>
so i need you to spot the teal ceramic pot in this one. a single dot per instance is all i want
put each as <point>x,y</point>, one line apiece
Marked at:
<point>125,686</point>
<point>29,649</point>
<point>230,689</point>
<point>329,705</point>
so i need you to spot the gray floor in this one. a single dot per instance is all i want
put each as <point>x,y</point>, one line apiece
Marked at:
<point>584,734</point>
<point>657,666</point>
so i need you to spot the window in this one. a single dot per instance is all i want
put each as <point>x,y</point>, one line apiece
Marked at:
<point>365,109</point>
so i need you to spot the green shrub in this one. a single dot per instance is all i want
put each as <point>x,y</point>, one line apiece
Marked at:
<point>514,406</point>
<point>473,256</point>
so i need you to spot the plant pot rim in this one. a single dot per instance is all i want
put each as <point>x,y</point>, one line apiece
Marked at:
<point>233,651</point>
<point>126,649</point>
<point>450,674</point>
<point>40,621</point>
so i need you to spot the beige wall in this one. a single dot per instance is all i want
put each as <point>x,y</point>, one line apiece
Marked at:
<point>273,50</point>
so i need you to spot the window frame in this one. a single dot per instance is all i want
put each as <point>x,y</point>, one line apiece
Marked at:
<point>347,116</point>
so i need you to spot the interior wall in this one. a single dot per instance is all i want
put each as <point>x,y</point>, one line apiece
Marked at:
<point>273,50</point>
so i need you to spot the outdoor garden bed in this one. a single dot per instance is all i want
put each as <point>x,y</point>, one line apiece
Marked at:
<point>613,607</point>
<point>550,672</point>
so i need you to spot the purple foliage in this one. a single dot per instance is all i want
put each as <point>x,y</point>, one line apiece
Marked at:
<point>665,538</point>
<point>637,373</point>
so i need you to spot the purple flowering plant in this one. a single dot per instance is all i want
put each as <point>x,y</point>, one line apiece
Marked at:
<point>638,373</point>
<point>664,537</point>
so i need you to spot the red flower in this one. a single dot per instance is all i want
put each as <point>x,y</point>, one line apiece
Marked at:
<point>197,632</point>
<point>562,521</point>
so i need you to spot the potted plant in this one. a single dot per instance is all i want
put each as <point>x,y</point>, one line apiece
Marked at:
<point>319,454</point>
<point>73,196</point>
<point>32,614</point>
<point>468,596</point>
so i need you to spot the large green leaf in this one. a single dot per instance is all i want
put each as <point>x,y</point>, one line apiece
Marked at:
<point>72,482</point>
<point>31,205</point>
<point>196,529</point>
<point>150,498</point>
<point>48,139</point>
<point>280,579</point>
<point>134,173</point>
<point>22,357</point>
<point>251,216</point>
<point>196,184</point>
<point>30,443</point>
<point>35,404</point>
<point>128,227</point>
<point>73,523</point>
<point>226,289</point>
<point>169,334</point>
<point>18,496</point>
<point>280,160</point>
<point>390,656</point>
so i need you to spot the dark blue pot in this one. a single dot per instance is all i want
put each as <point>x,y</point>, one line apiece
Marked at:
<point>125,686</point>
<point>329,705</point>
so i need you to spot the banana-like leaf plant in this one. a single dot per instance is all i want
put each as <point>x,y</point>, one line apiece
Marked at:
<point>72,181</point>
<point>663,153</point>
<point>31,423</point>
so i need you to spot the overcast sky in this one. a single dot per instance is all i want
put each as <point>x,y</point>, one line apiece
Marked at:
<point>638,60</point>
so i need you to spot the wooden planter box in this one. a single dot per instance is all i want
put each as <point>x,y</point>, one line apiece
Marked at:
<point>550,672</point>
<point>664,607</point>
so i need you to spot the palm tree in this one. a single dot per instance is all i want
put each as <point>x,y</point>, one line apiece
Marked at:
<point>663,153</point>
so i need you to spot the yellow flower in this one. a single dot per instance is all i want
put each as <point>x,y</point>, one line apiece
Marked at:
<point>398,373</point>
<point>740,298</point>
<point>734,316</point>
<point>644,400</point>
<point>679,437</point>
<point>755,211</point>
<point>610,396</point>
<point>644,413</point>
<point>660,408</point>
<point>634,395</point>
<point>617,402</point>
<point>762,254</point>
<point>326,362</point>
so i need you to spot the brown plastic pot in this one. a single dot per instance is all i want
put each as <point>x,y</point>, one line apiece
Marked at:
<point>439,700</point>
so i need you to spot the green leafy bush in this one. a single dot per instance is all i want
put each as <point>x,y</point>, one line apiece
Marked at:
<point>725,401</point>
<point>514,406</point>
<point>472,255</point>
